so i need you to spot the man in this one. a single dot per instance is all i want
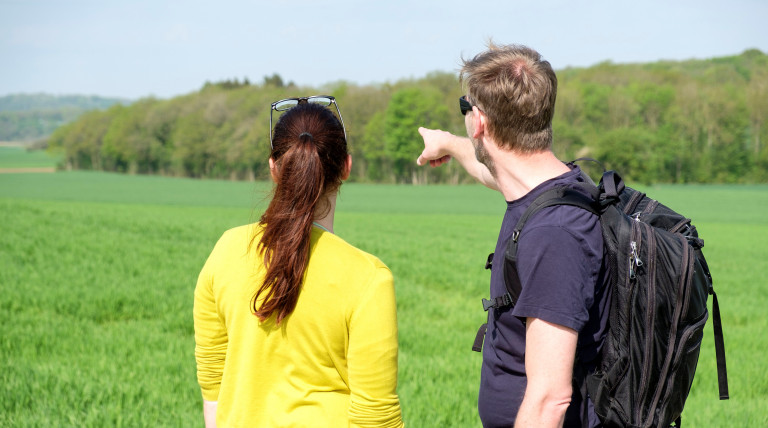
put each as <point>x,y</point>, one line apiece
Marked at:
<point>530,351</point>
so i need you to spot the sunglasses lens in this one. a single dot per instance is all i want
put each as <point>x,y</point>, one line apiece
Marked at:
<point>323,101</point>
<point>291,103</point>
<point>286,105</point>
<point>464,106</point>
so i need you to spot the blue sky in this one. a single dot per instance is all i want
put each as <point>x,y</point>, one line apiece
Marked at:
<point>161,48</point>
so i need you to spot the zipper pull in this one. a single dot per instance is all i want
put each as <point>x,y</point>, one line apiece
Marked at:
<point>634,260</point>
<point>636,254</point>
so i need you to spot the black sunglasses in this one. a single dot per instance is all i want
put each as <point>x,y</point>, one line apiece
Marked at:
<point>464,105</point>
<point>289,103</point>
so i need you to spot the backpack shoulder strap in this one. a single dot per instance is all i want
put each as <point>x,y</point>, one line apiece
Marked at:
<point>722,372</point>
<point>560,195</point>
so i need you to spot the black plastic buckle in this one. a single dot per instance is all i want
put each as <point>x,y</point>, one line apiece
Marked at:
<point>497,302</point>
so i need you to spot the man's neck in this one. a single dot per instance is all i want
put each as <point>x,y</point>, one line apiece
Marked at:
<point>517,174</point>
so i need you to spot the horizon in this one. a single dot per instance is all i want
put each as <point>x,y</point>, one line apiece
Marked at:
<point>300,84</point>
<point>165,49</point>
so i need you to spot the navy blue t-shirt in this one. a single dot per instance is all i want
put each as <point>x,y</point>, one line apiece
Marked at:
<point>564,276</point>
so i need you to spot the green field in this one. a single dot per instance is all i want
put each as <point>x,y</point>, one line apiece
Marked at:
<point>97,272</point>
<point>19,157</point>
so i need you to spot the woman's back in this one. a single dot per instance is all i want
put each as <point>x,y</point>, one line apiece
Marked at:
<point>331,362</point>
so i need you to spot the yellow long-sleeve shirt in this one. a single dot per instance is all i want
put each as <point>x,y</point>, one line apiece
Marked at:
<point>331,363</point>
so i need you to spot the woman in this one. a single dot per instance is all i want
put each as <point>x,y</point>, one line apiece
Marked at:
<point>293,326</point>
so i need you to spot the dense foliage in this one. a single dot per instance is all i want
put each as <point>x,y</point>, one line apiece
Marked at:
<point>28,117</point>
<point>674,122</point>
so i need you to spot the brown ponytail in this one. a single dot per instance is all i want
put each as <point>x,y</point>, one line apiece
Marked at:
<point>310,152</point>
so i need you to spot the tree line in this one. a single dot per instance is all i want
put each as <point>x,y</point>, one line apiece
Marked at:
<point>669,121</point>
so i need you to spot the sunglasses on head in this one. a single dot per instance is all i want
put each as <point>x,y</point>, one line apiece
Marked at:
<point>464,105</point>
<point>289,103</point>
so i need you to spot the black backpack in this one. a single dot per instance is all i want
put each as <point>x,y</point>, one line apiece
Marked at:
<point>660,277</point>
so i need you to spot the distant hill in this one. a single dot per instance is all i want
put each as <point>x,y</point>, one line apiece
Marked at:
<point>30,117</point>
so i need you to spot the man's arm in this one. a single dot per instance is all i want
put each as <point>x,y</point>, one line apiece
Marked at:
<point>441,146</point>
<point>549,356</point>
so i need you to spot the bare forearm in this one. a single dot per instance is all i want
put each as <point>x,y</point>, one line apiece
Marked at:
<point>441,146</point>
<point>541,411</point>
<point>549,358</point>
<point>209,413</point>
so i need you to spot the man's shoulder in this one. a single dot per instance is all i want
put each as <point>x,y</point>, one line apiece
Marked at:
<point>573,178</point>
<point>563,220</point>
<point>565,215</point>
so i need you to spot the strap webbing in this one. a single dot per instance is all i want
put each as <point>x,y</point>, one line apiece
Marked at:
<point>478,345</point>
<point>722,374</point>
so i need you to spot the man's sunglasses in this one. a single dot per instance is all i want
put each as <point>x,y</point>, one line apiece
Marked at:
<point>464,105</point>
<point>289,103</point>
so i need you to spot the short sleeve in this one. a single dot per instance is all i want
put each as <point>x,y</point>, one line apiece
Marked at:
<point>558,271</point>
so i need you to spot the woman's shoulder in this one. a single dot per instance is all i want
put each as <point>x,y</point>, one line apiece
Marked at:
<point>238,239</point>
<point>335,250</point>
<point>350,271</point>
<point>239,233</point>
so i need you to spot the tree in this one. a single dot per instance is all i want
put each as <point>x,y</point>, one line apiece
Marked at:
<point>378,165</point>
<point>274,80</point>
<point>409,109</point>
<point>631,152</point>
<point>757,104</point>
<point>80,141</point>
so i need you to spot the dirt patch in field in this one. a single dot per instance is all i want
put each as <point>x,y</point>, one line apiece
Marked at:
<point>21,170</point>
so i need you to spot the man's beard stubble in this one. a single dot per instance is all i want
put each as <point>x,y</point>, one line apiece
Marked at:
<point>481,154</point>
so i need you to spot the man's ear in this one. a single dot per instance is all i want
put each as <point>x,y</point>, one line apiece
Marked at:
<point>272,170</point>
<point>347,168</point>
<point>478,122</point>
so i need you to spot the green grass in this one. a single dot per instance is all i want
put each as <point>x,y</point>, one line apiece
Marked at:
<point>19,157</point>
<point>97,272</point>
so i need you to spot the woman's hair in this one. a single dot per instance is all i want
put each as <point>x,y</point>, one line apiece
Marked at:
<point>309,150</point>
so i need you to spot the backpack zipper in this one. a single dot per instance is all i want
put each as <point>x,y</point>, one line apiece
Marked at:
<point>689,259</point>
<point>650,316</point>
<point>634,254</point>
<point>634,260</point>
<point>633,201</point>
<point>677,315</point>
<point>634,257</point>
<point>691,329</point>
